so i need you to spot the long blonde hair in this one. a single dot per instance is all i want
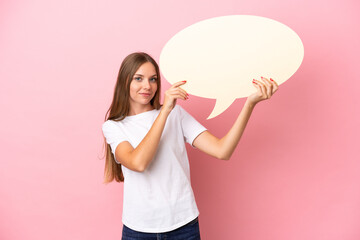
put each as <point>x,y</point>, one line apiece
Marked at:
<point>120,106</point>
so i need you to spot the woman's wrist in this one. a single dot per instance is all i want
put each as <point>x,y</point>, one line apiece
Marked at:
<point>165,111</point>
<point>249,103</point>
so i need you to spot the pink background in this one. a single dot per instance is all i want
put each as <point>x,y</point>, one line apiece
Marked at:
<point>295,174</point>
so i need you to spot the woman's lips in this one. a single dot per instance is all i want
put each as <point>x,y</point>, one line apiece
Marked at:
<point>145,94</point>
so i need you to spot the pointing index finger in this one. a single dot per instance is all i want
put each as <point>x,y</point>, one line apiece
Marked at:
<point>177,84</point>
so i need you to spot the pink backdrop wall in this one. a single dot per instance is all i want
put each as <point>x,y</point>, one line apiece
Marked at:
<point>295,174</point>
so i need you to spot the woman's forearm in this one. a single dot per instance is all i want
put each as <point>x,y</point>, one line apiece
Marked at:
<point>143,154</point>
<point>229,142</point>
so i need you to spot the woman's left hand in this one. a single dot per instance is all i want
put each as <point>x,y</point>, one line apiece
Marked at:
<point>265,90</point>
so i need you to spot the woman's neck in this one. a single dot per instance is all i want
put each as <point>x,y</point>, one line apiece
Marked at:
<point>134,110</point>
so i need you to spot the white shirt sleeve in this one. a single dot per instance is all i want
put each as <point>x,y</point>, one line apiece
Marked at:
<point>191,128</point>
<point>113,135</point>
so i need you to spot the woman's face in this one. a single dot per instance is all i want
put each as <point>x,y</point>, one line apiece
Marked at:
<point>143,86</point>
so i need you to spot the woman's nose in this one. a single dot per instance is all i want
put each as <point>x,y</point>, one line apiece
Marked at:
<point>146,83</point>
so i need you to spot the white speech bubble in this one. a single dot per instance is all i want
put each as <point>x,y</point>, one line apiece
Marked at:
<point>219,57</point>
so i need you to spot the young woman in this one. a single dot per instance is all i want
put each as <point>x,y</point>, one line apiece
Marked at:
<point>146,150</point>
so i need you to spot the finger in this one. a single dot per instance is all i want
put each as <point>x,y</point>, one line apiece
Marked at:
<point>257,87</point>
<point>274,90</point>
<point>273,81</point>
<point>175,93</point>
<point>269,86</point>
<point>177,84</point>
<point>256,84</point>
<point>275,84</point>
<point>263,89</point>
<point>268,91</point>
<point>178,91</point>
<point>266,81</point>
<point>183,91</point>
<point>180,96</point>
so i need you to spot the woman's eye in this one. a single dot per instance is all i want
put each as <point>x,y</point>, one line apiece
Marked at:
<point>137,78</point>
<point>153,79</point>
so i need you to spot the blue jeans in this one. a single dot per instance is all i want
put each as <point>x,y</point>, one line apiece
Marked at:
<point>190,231</point>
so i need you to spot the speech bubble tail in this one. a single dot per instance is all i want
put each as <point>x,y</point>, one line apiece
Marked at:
<point>220,106</point>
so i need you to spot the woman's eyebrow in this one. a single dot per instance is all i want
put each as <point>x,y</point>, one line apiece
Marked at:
<point>143,75</point>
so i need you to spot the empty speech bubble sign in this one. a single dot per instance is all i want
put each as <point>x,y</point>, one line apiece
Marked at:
<point>219,57</point>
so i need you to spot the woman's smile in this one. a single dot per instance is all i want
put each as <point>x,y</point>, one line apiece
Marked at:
<point>145,94</point>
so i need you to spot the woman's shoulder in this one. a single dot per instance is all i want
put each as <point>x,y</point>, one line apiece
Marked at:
<point>180,110</point>
<point>177,110</point>
<point>110,123</point>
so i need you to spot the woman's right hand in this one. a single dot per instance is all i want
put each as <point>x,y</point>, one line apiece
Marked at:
<point>172,94</point>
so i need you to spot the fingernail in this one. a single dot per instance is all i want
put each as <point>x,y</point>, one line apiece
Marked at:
<point>184,81</point>
<point>261,77</point>
<point>271,79</point>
